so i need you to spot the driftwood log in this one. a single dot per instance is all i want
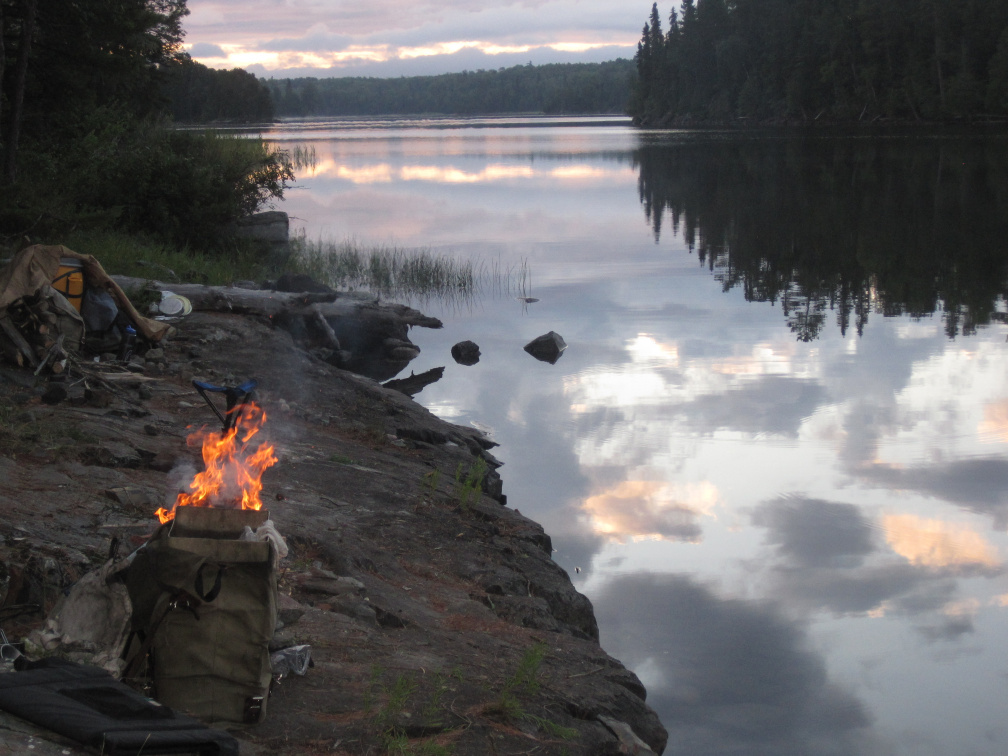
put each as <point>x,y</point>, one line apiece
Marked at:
<point>351,330</point>
<point>415,383</point>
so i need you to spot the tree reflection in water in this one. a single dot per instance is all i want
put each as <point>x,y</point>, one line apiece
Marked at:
<point>840,226</point>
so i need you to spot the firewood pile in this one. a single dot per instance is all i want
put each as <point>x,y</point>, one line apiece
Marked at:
<point>39,331</point>
<point>56,305</point>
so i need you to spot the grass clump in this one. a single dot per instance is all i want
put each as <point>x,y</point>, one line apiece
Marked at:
<point>523,684</point>
<point>469,485</point>
<point>398,698</point>
<point>431,480</point>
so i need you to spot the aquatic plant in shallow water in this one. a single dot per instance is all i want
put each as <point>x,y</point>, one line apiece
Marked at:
<point>411,275</point>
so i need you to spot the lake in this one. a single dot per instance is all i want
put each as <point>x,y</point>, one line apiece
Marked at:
<point>774,453</point>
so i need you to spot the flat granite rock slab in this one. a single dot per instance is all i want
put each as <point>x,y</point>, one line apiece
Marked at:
<point>421,606</point>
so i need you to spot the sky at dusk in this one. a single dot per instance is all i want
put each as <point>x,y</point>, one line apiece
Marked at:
<point>285,38</point>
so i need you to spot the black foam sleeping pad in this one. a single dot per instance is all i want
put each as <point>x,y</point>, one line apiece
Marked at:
<point>90,706</point>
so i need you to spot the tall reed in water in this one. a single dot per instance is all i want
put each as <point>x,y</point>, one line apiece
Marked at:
<point>404,274</point>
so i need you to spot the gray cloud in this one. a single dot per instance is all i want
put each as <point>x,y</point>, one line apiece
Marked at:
<point>317,27</point>
<point>468,59</point>
<point>207,50</point>
<point>948,629</point>
<point>979,485</point>
<point>771,404</point>
<point>823,549</point>
<point>382,17</point>
<point>318,43</point>
<point>816,533</point>
<point>906,589</point>
<point>728,676</point>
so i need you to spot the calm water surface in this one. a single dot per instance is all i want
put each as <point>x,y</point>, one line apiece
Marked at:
<point>775,451</point>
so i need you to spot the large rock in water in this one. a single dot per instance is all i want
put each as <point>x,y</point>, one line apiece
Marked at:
<point>466,353</point>
<point>547,348</point>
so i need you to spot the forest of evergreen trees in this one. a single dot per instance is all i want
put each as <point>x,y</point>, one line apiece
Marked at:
<point>807,60</point>
<point>198,94</point>
<point>570,88</point>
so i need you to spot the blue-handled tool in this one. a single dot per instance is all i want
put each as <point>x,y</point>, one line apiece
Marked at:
<point>235,398</point>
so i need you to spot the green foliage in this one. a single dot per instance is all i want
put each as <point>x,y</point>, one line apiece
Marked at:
<point>551,727</point>
<point>92,54</point>
<point>431,480</point>
<point>142,176</point>
<point>550,89</point>
<point>731,61</point>
<point>92,153</point>
<point>397,744</point>
<point>469,485</point>
<point>147,257</point>
<point>398,697</point>
<point>433,710</point>
<point>373,681</point>
<point>526,677</point>
<point>523,684</point>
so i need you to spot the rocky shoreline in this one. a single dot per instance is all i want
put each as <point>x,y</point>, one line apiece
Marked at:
<point>437,619</point>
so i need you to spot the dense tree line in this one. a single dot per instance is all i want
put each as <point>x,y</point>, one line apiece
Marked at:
<point>841,228</point>
<point>199,94</point>
<point>550,89</point>
<point>84,136</point>
<point>64,59</point>
<point>811,60</point>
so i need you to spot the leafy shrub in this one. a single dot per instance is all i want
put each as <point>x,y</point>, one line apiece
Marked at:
<point>143,176</point>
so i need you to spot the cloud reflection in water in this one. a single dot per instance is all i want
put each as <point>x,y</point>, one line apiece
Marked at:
<point>728,676</point>
<point>831,557</point>
<point>643,509</point>
<point>871,604</point>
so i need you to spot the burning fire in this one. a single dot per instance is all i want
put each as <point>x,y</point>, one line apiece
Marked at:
<point>233,474</point>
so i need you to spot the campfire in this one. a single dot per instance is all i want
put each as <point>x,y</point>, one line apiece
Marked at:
<point>232,477</point>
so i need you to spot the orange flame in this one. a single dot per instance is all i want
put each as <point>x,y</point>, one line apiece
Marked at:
<point>233,474</point>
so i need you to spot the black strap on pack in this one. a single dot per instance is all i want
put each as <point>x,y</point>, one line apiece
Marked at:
<point>208,596</point>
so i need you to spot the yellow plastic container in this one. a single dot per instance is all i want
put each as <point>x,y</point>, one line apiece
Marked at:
<point>69,281</point>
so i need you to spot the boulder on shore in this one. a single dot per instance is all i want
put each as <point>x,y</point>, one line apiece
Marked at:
<point>271,226</point>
